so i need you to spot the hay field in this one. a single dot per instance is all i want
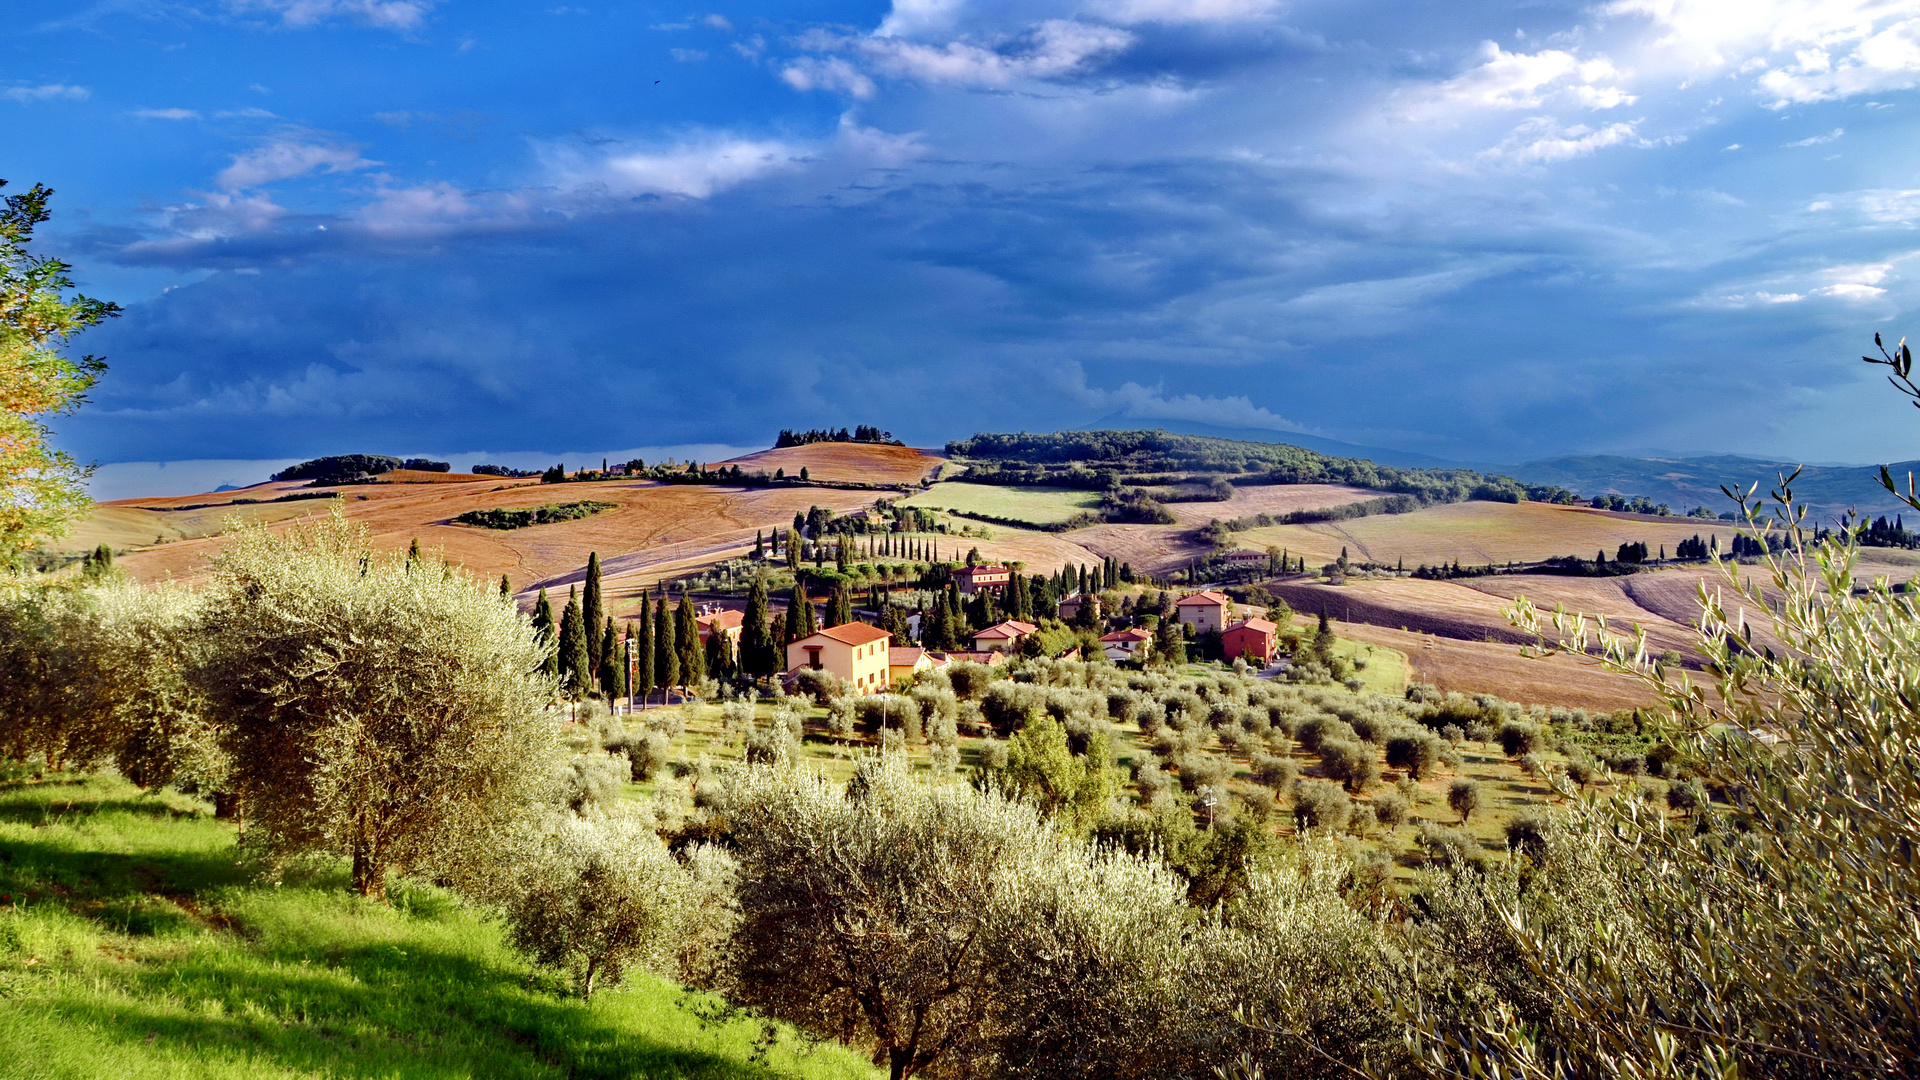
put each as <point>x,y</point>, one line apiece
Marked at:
<point>1037,505</point>
<point>1482,667</point>
<point>1480,533</point>
<point>869,463</point>
<point>1251,499</point>
<point>652,523</point>
<point>1154,549</point>
<point>135,523</point>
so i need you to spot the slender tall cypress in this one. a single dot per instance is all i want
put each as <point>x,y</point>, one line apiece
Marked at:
<point>543,632</point>
<point>693,662</point>
<point>839,606</point>
<point>576,676</point>
<point>506,588</point>
<point>643,646</point>
<point>592,606</point>
<point>756,642</point>
<point>666,653</point>
<point>613,668</point>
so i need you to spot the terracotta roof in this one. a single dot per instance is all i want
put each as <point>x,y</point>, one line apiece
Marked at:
<point>1207,596</point>
<point>853,633</point>
<point>1131,633</point>
<point>725,620</point>
<point>984,568</point>
<point>1258,626</point>
<point>904,655</point>
<point>1009,629</point>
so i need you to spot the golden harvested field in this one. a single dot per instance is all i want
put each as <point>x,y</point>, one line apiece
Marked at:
<point>1155,549</point>
<point>653,523</point>
<point>869,463</point>
<point>1482,667</point>
<point>133,524</point>
<point>1480,533</point>
<point>1252,499</point>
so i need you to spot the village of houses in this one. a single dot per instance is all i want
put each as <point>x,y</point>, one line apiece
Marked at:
<point>866,660</point>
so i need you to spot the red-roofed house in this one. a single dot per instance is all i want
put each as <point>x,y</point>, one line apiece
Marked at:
<point>906,661</point>
<point>1204,611</point>
<point>1070,607</point>
<point>992,578</point>
<point>1251,638</point>
<point>1003,636</point>
<point>854,652</point>
<point>1129,644</point>
<point>729,623</point>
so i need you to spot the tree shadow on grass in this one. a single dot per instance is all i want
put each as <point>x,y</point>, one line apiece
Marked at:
<point>377,1009</point>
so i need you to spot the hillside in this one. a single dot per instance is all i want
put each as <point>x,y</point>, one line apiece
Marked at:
<point>1684,483</point>
<point>134,944</point>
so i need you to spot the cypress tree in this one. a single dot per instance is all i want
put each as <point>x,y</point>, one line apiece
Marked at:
<point>686,632</point>
<point>576,675</point>
<point>592,606</point>
<point>666,658</point>
<point>759,545</point>
<point>506,588</point>
<point>793,550</point>
<point>805,624</point>
<point>543,632</point>
<point>643,646</point>
<point>839,606</point>
<point>720,659</point>
<point>613,668</point>
<point>413,553</point>
<point>756,643</point>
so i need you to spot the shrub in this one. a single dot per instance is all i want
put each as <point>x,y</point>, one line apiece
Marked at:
<point>1354,764</point>
<point>590,784</point>
<point>1318,804</point>
<point>1415,751</point>
<point>647,753</point>
<point>1528,833</point>
<point>1451,847</point>
<point>1517,739</point>
<point>1274,771</point>
<point>1464,797</point>
<point>1390,808</point>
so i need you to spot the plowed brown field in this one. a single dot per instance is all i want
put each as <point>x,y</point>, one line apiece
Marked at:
<point>1479,667</point>
<point>1480,533</point>
<point>1254,499</point>
<point>869,463</point>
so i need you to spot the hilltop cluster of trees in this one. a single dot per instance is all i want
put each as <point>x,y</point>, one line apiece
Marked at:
<point>521,517</point>
<point>1883,533</point>
<point>864,433</point>
<point>503,470</point>
<point>347,468</point>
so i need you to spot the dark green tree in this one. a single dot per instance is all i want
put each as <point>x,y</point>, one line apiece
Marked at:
<point>546,634</point>
<point>686,633</point>
<point>643,680</point>
<point>576,676</point>
<point>506,588</point>
<point>613,667</point>
<point>413,552</point>
<point>666,653</point>
<point>594,608</point>
<point>839,606</point>
<point>757,648</point>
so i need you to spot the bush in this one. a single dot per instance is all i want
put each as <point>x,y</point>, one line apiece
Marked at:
<point>647,753</point>
<point>1354,764</point>
<point>1451,847</point>
<point>1320,805</point>
<point>1464,797</point>
<point>1528,833</point>
<point>1415,751</point>
<point>1517,739</point>
<point>1274,771</point>
<point>1391,808</point>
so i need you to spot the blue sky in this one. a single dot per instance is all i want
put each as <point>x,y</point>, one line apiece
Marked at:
<point>1484,231</point>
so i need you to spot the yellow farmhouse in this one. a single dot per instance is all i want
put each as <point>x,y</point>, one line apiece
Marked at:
<point>853,652</point>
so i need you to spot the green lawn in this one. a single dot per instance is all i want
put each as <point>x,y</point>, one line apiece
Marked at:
<point>132,945</point>
<point>1035,505</point>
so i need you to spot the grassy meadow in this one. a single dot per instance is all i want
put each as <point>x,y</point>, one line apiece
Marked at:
<point>132,944</point>
<point>1035,505</point>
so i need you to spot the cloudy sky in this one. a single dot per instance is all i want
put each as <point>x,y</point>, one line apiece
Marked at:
<point>1482,230</point>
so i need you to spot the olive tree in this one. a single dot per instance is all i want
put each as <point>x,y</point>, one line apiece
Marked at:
<point>374,709</point>
<point>874,915</point>
<point>1776,935</point>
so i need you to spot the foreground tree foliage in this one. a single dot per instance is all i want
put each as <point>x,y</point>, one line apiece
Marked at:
<point>1779,933</point>
<point>40,487</point>
<point>385,712</point>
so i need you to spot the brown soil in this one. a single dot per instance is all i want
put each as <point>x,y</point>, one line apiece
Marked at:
<point>1480,667</point>
<point>1252,499</point>
<point>842,462</point>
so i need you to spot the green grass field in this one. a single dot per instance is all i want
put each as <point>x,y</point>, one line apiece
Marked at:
<point>132,945</point>
<point>1035,505</point>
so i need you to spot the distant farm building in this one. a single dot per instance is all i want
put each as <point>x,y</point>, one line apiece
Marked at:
<point>1070,607</point>
<point>1204,611</point>
<point>730,624</point>
<point>991,578</point>
<point>855,653</point>
<point>1128,644</point>
<point>1003,636</point>
<point>906,661</point>
<point>1253,639</point>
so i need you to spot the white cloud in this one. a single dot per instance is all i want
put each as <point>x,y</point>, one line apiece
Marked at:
<point>1802,50</point>
<point>1505,80</point>
<point>286,157</point>
<point>1541,139</point>
<point>390,14</point>
<point>827,73</point>
<point>1181,11</point>
<point>46,92</point>
<point>166,114</point>
<point>1816,140</point>
<point>1151,403</point>
<point>696,169</point>
<point>687,56</point>
<point>919,16</point>
<point>718,22</point>
<point>437,208</point>
<point>1054,49</point>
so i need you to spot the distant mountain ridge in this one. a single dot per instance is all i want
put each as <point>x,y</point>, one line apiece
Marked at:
<point>1682,482</point>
